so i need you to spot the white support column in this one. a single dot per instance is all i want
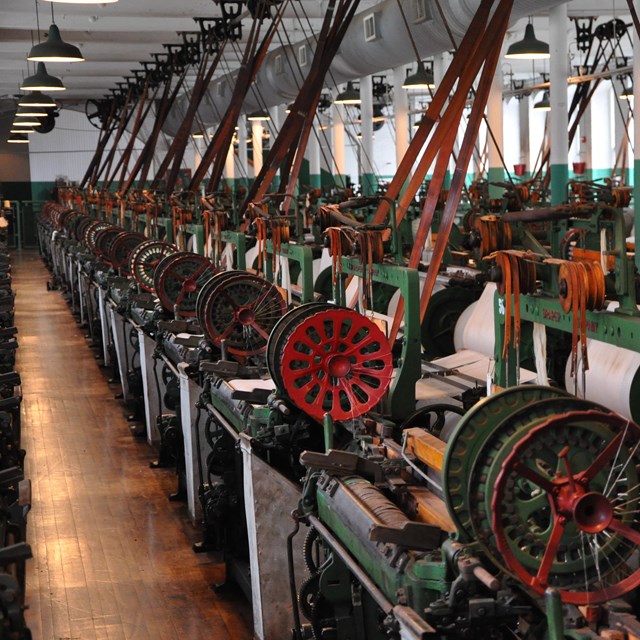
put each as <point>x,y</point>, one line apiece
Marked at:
<point>585,149</point>
<point>601,143</point>
<point>243,158</point>
<point>620,110</point>
<point>559,67</point>
<point>257,130</point>
<point>339,166</point>
<point>523,124</point>
<point>230,166</point>
<point>314,157</point>
<point>495,119</point>
<point>401,113</point>
<point>367,178</point>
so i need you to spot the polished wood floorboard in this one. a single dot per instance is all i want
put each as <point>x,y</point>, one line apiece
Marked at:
<point>112,556</point>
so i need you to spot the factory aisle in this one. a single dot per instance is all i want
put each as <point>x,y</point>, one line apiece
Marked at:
<point>112,556</point>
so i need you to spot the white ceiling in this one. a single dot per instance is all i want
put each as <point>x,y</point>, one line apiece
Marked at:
<point>115,38</point>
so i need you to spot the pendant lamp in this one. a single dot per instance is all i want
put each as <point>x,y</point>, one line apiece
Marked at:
<point>36,99</point>
<point>258,116</point>
<point>543,104</point>
<point>348,96</point>
<point>529,48</point>
<point>18,138</point>
<point>422,79</point>
<point>42,81</point>
<point>55,49</point>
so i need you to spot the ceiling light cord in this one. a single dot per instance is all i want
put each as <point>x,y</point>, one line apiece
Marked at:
<point>411,40</point>
<point>53,20</point>
<point>37,20</point>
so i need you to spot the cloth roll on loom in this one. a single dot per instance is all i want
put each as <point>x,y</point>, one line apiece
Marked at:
<point>613,378</point>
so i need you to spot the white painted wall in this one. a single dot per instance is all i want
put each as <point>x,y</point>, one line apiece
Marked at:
<point>64,152</point>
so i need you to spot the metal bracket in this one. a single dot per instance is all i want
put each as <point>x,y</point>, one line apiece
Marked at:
<point>412,535</point>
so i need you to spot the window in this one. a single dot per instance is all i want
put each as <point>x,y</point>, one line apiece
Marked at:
<point>302,55</point>
<point>278,64</point>
<point>369,23</point>
<point>421,12</point>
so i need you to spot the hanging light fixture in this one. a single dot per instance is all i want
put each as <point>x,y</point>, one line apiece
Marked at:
<point>422,79</point>
<point>42,81</point>
<point>627,93</point>
<point>259,116</point>
<point>24,130</point>
<point>25,121</point>
<point>529,48</point>
<point>289,108</point>
<point>543,104</point>
<point>18,138</point>
<point>55,49</point>
<point>36,99</point>
<point>198,135</point>
<point>33,112</point>
<point>349,96</point>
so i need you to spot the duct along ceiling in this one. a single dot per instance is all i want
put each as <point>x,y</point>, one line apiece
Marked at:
<point>115,38</point>
<point>376,41</point>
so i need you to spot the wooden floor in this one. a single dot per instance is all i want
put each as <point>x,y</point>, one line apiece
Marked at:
<point>112,556</point>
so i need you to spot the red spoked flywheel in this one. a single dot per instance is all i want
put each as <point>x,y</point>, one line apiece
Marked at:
<point>566,507</point>
<point>338,362</point>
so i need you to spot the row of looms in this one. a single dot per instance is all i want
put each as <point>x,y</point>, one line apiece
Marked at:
<point>399,410</point>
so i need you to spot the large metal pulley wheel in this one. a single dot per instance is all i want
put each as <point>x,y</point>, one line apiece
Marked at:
<point>80,225</point>
<point>334,361</point>
<point>579,472</point>
<point>145,258</point>
<point>121,250</point>
<point>240,309</point>
<point>178,279</point>
<point>104,241</point>
<point>91,232</point>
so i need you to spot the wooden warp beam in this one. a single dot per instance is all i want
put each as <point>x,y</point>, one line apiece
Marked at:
<point>634,16</point>
<point>295,158</point>
<point>144,107</point>
<point>125,116</point>
<point>253,57</point>
<point>467,52</point>
<point>250,74</point>
<point>145,158</point>
<point>290,145</point>
<point>180,141</point>
<point>108,126</point>
<point>490,53</point>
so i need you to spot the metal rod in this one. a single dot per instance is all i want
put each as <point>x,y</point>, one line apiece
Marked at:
<point>379,597</point>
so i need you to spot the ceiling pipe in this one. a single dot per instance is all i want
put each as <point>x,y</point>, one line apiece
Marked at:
<point>357,57</point>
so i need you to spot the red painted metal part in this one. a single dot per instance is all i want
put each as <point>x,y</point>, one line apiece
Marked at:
<point>178,283</point>
<point>241,309</point>
<point>337,362</point>
<point>571,502</point>
<point>145,258</point>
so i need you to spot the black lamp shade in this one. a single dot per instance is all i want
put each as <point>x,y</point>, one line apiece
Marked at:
<point>529,48</point>
<point>259,116</point>
<point>348,96</point>
<point>42,81</point>
<point>36,99</point>
<point>54,49</point>
<point>421,79</point>
<point>543,104</point>
<point>18,138</point>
